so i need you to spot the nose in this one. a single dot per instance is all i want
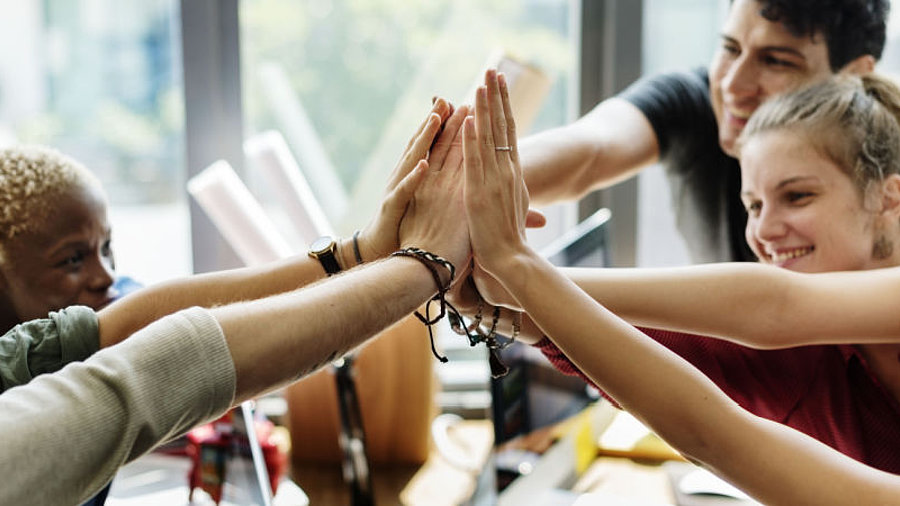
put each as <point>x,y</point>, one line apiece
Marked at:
<point>768,226</point>
<point>742,78</point>
<point>102,274</point>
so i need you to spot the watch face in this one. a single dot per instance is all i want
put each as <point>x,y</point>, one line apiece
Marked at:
<point>322,244</point>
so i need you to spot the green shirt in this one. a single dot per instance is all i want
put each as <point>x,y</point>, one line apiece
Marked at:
<point>47,345</point>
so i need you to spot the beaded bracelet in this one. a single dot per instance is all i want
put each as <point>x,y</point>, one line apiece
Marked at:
<point>489,337</point>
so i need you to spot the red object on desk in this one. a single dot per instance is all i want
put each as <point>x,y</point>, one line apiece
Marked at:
<point>210,446</point>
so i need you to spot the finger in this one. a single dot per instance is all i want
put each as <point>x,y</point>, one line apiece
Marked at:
<point>472,158</point>
<point>394,205</point>
<point>483,124</point>
<point>445,140</point>
<point>440,107</point>
<point>454,159</point>
<point>417,149</point>
<point>495,105</point>
<point>535,219</point>
<point>510,122</point>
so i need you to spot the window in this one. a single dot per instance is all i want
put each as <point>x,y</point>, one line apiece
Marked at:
<point>346,82</point>
<point>100,81</point>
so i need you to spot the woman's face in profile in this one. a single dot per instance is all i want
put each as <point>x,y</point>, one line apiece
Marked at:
<point>65,261</point>
<point>804,212</point>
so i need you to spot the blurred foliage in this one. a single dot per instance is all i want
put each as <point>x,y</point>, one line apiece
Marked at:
<point>351,61</point>
<point>114,97</point>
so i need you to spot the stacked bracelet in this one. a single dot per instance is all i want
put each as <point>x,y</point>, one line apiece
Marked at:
<point>475,333</point>
<point>428,259</point>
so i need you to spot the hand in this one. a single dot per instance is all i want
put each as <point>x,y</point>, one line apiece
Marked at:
<point>435,218</point>
<point>381,236</point>
<point>492,291</point>
<point>495,194</point>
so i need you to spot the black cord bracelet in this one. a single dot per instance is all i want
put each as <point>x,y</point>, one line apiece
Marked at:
<point>473,331</point>
<point>427,259</point>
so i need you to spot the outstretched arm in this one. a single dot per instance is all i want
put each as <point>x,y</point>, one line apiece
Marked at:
<point>377,240</point>
<point>755,305</point>
<point>771,462</point>
<point>778,308</point>
<point>609,144</point>
<point>192,365</point>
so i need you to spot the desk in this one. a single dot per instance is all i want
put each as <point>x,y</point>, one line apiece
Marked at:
<point>438,482</point>
<point>162,479</point>
<point>578,469</point>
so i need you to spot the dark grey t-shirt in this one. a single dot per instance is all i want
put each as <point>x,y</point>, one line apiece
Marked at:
<point>704,182</point>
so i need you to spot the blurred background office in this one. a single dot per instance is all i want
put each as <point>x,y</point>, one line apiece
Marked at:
<point>148,93</point>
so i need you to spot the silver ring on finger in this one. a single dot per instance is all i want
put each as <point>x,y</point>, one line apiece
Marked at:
<point>503,148</point>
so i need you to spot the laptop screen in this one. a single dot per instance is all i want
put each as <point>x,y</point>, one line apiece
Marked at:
<point>246,477</point>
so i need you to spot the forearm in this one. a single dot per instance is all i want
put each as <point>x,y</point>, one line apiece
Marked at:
<point>751,304</point>
<point>554,164</point>
<point>772,462</point>
<point>135,311</point>
<point>779,465</point>
<point>278,340</point>
<point>611,352</point>
<point>609,144</point>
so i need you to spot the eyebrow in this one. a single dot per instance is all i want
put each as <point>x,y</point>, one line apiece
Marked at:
<point>782,184</point>
<point>777,49</point>
<point>69,241</point>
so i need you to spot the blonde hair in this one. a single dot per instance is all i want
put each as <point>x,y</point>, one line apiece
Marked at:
<point>31,178</point>
<point>852,120</point>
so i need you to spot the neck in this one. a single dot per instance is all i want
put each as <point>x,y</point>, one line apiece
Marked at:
<point>8,317</point>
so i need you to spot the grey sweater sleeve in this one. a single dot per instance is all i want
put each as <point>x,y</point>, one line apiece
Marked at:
<point>47,345</point>
<point>64,435</point>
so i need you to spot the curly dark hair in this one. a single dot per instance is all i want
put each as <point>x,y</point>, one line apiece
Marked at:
<point>852,28</point>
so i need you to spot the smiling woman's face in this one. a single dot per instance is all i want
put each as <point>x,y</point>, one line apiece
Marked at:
<point>65,261</point>
<point>804,212</point>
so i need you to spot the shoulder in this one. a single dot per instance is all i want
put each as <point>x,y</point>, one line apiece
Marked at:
<point>686,87</point>
<point>677,106</point>
<point>47,344</point>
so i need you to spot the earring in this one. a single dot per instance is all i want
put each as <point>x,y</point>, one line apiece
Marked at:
<point>882,248</point>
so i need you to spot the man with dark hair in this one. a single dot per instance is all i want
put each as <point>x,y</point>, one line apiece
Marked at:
<point>689,121</point>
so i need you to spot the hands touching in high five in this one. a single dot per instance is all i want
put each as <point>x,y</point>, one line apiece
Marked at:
<point>422,198</point>
<point>458,190</point>
<point>495,194</point>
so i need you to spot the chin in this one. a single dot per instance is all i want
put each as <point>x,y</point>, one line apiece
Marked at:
<point>729,145</point>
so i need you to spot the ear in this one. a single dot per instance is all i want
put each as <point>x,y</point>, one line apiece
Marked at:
<point>890,197</point>
<point>864,64</point>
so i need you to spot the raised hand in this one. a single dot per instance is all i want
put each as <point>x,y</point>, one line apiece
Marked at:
<point>435,218</point>
<point>381,236</point>
<point>495,195</point>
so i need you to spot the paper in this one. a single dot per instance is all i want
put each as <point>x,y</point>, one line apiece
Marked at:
<point>701,481</point>
<point>237,215</point>
<point>268,153</point>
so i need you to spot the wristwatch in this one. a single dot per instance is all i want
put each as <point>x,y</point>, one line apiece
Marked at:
<point>323,249</point>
